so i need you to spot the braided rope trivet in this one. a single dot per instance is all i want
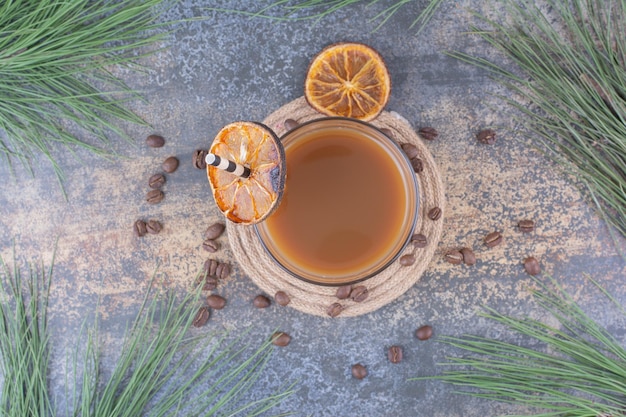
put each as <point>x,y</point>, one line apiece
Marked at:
<point>383,287</point>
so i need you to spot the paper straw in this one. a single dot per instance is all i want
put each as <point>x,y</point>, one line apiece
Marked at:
<point>228,166</point>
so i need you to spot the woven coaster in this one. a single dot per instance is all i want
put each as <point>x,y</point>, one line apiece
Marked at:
<point>383,287</point>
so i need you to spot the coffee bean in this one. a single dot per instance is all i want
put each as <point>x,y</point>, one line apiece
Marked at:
<point>454,257</point>
<point>395,354</point>
<point>210,246</point>
<point>155,141</point>
<point>418,165</point>
<point>487,136</point>
<point>210,283</point>
<point>215,301</point>
<point>198,158</point>
<point>170,164</point>
<point>359,371</point>
<point>282,298</point>
<point>526,226</point>
<point>531,265</point>
<point>407,260</point>
<point>428,133</point>
<point>334,309</point>
<point>155,196</point>
<point>419,240</point>
<point>359,293</point>
<point>261,301</point>
<point>493,239</point>
<point>281,339</point>
<point>343,292</point>
<point>153,227</point>
<point>224,272</point>
<point>290,124</point>
<point>210,266</point>
<point>410,150</point>
<point>214,231</point>
<point>434,213</point>
<point>424,332</point>
<point>202,316</point>
<point>469,258</point>
<point>156,181</point>
<point>140,228</point>
<point>387,132</point>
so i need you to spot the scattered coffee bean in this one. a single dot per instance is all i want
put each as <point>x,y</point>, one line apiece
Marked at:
<point>395,354</point>
<point>261,301</point>
<point>156,181</point>
<point>454,257</point>
<point>424,332</point>
<point>428,133</point>
<point>170,164</point>
<point>199,158</point>
<point>469,258</point>
<point>210,246</point>
<point>434,213</point>
<point>359,371</point>
<point>334,309</point>
<point>493,239</point>
<point>155,141</point>
<point>282,298</point>
<point>201,317</point>
<point>410,150</point>
<point>223,272</point>
<point>419,240</point>
<point>214,231</point>
<point>531,265</point>
<point>387,132</point>
<point>359,293</point>
<point>487,136</point>
<point>216,301</point>
<point>155,196</point>
<point>281,339</point>
<point>210,266</point>
<point>343,292</point>
<point>526,226</point>
<point>140,228</point>
<point>153,227</point>
<point>407,260</point>
<point>418,165</point>
<point>290,124</point>
<point>210,283</point>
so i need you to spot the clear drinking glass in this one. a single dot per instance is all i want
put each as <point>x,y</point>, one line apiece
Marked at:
<point>350,203</point>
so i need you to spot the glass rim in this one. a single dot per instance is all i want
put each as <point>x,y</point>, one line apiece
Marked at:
<point>412,184</point>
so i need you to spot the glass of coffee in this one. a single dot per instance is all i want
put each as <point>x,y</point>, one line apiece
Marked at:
<point>350,203</point>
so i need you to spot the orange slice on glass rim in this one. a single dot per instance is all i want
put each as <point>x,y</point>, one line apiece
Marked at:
<point>348,80</point>
<point>255,146</point>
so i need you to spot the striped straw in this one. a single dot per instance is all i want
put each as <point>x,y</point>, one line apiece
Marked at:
<point>228,166</point>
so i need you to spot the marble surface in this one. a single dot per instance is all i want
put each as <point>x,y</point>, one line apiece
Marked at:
<point>228,67</point>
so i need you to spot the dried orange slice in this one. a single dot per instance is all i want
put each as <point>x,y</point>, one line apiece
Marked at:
<point>255,146</point>
<point>348,80</point>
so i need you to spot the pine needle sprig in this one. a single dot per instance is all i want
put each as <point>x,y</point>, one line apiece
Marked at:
<point>574,369</point>
<point>317,10</point>
<point>55,79</point>
<point>24,341</point>
<point>163,369</point>
<point>570,80</point>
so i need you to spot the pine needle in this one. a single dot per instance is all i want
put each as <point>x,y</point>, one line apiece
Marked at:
<point>163,370</point>
<point>571,69</point>
<point>320,9</point>
<point>576,369</point>
<point>55,80</point>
